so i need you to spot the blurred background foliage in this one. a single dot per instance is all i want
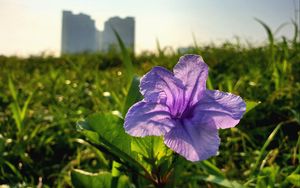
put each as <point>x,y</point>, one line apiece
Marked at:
<point>42,98</point>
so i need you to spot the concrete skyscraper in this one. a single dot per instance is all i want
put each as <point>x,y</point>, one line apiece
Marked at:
<point>79,33</point>
<point>124,27</point>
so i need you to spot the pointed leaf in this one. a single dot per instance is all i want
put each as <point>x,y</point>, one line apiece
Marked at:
<point>221,181</point>
<point>82,178</point>
<point>126,56</point>
<point>152,153</point>
<point>250,105</point>
<point>264,147</point>
<point>110,129</point>
<point>150,147</point>
<point>268,30</point>
<point>12,89</point>
<point>107,132</point>
<point>25,107</point>
<point>211,168</point>
<point>133,95</point>
<point>15,109</point>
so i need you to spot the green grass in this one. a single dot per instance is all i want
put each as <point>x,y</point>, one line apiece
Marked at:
<point>42,99</point>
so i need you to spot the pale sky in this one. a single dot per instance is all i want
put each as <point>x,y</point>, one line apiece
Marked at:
<point>34,26</point>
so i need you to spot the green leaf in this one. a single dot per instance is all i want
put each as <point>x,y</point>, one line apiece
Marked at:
<point>16,112</point>
<point>100,155</point>
<point>19,112</point>
<point>115,169</point>
<point>264,147</point>
<point>106,130</point>
<point>211,168</point>
<point>251,105</point>
<point>295,24</point>
<point>150,148</point>
<point>84,128</point>
<point>13,169</point>
<point>126,57</point>
<point>268,30</point>
<point>25,107</point>
<point>133,95</point>
<point>110,130</point>
<point>153,154</point>
<point>12,89</point>
<point>221,181</point>
<point>294,179</point>
<point>82,179</point>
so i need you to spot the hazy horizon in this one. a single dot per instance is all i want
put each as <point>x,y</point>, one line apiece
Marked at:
<point>32,27</point>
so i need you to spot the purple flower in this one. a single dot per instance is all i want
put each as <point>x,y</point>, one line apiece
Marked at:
<point>178,106</point>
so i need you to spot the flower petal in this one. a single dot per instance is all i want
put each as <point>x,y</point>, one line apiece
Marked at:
<point>192,71</point>
<point>160,86</point>
<point>193,141</point>
<point>144,119</point>
<point>225,109</point>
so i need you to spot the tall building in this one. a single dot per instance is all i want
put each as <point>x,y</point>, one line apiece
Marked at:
<point>79,33</point>
<point>124,27</point>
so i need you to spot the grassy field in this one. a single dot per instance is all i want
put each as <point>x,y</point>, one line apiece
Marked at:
<point>42,98</point>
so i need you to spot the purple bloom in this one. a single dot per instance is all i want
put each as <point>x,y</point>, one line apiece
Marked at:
<point>178,106</point>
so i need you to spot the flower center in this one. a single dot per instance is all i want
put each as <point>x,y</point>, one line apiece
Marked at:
<point>187,113</point>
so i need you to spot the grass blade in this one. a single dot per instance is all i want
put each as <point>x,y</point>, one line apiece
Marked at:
<point>13,169</point>
<point>268,30</point>
<point>266,144</point>
<point>25,107</point>
<point>12,89</point>
<point>211,169</point>
<point>125,56</point>
<point>221,181</point>
<point>16,112</point>
<point>295,33</point>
